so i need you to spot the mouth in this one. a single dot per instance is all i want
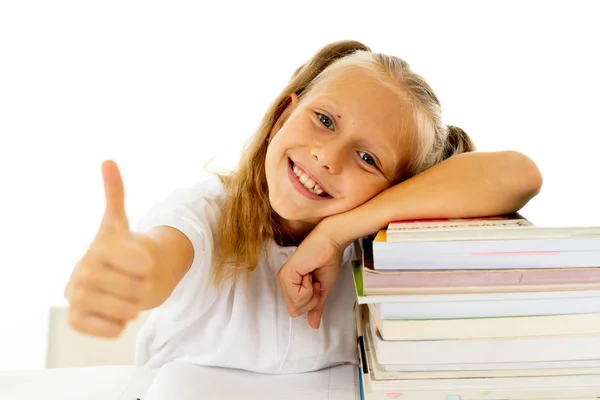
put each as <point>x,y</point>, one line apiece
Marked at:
<point>305,185</point>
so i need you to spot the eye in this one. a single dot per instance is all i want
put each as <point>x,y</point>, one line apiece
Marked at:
<point>366,157</point>
<point>325,120</point>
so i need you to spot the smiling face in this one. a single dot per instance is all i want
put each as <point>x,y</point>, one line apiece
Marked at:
<point>339,147</point>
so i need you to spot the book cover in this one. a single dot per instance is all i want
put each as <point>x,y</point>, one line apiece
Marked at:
<point>504,227</point>
<point>509,220</point>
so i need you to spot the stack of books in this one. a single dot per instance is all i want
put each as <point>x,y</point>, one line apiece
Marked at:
<point>489,308</point>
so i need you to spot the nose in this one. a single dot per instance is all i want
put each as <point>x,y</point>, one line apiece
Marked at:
<point>328,156</point>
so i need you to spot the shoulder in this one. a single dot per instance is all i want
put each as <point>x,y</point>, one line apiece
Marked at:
<point>209,190</point>
<point>194,210</point>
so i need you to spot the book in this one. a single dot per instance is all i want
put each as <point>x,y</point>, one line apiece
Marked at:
<point>532,253</point>
<point>177,380</point>
<point>183,381</point>
<point>563,303</point>
<point>492,379</point>
<point>502,227</point>
<point>485,328</point>
<point>560,387</point>
<point>582,365</point>
<point>451,228</point>
<point>472,281</point>
<point>490,370</point>
<point>511,350</point>
<point>477,305</point>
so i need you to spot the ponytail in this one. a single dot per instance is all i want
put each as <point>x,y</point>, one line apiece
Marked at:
<point>457,142</point>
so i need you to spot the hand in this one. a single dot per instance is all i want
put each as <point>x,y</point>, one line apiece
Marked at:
<point>108,284</point>
<point>307,277</point>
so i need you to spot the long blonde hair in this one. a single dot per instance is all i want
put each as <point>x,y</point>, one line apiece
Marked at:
<point>247,221</point>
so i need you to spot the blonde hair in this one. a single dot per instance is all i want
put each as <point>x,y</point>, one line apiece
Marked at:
<point>248,221</point>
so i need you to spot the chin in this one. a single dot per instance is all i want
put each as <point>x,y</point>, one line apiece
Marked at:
<point>292,214</point>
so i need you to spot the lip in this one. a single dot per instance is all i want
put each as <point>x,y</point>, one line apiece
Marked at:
<point>301,189</point>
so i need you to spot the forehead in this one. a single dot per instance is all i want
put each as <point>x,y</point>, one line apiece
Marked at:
<point>371,108</point>
<point>360,90</point>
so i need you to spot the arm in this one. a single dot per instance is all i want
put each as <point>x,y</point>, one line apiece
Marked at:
<point>467,185</point>
<point>173,253</point>
<point>123,272</point>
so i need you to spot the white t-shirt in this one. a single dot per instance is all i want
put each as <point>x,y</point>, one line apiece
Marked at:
<point>239,327</point>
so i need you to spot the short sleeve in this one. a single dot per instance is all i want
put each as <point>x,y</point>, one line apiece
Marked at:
<point>194,212</point>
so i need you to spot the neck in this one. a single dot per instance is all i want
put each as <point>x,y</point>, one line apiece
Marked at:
<point>292,232</point>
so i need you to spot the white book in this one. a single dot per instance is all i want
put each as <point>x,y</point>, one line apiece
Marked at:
<point>465,232</point>
<point>392,259</point>
<point>538,349</point>
<point>182,381</point>
<point>493,366</point>
<point>492,308</point>
<point>484,328</point>
<point>575,387</point>
<point>382,373</point>
<point>478,305</point>
<point>485,254</point>
<point>178,381</point>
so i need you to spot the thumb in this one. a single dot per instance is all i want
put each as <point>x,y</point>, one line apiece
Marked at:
<point>314,315</point>
<point>114,214</point>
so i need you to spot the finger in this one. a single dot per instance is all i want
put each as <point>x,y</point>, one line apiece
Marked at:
<point>114,282</point>
<point>127,257</point>
<point>94,325</point>
<point>315,315</point>
<point>305,288</point>
<point>310,305</point>
<point>104,305</point>
<point>296,290</point>
<point>303,292</point>
<point>114,192</point>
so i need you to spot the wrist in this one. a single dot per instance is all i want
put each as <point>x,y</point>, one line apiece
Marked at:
<point>365,219</point>
<point>345,228</point>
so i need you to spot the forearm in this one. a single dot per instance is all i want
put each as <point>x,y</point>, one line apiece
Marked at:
<point>466,185</point>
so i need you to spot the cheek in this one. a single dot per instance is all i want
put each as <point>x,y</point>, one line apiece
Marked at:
<point>364,190</point>
<point>296,131</point>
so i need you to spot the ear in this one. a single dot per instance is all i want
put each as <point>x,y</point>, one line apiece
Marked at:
<point>283,112</point>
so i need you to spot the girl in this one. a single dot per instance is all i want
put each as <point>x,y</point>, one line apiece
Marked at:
<point>250,270</point>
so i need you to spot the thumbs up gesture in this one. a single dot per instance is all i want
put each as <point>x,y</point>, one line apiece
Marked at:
<point>109,284</point>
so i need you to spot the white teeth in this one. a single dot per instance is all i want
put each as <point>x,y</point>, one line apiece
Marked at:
<point>308,183</point>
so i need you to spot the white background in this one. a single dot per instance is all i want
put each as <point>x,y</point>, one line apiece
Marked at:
<point>164,86</point>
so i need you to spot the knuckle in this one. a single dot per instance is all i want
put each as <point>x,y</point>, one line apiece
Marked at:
<point>120,327</point>
<point>147,286</point>
<point>146,261</point>
<point>120,309</point>
<point>75,320</point>
<point>101,247</point>
<point>129,311</point>
<point>78,297</point>
<point>144,266</point>
<point>96,250</point>
<point>84,275</point>
<point>294,311</point>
